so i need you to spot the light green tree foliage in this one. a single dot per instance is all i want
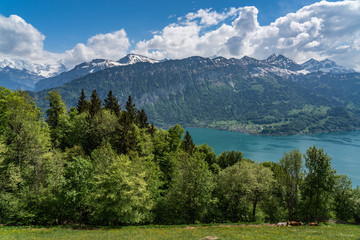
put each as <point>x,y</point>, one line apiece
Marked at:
<point>355,203</point>
<point>101,129</point>
<point>274,205</point>
<point>241,187</point>
<point>77,187</point>
<point>292,164</point>
<point>143,160</point>
<point>318,185</point>
<point>75,127</point>
<point>122,195</point>
<point>3,108</point>
<point>166,147</point>
<point>190,194</point>
<point>29,163</point>
<point>342,198</point>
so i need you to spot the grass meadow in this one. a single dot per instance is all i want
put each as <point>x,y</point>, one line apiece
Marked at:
<point>328,232</point>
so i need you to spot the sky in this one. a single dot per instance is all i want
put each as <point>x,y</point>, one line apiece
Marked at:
<point>75,31</point>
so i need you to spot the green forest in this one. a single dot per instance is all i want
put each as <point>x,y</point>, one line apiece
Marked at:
<point>101,163</point>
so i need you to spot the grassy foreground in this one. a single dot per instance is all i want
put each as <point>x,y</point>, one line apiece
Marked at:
<point>333,231</point>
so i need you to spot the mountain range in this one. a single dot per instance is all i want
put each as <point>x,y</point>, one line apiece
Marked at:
<point>20,74</point>
<point>274,96</point>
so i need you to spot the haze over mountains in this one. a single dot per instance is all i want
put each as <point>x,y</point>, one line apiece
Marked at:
<point>271,96</point>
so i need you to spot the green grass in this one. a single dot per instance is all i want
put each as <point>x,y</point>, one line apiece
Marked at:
<point>328,232</point>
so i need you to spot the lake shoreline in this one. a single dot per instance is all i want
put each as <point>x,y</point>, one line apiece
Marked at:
<point>342,147</point>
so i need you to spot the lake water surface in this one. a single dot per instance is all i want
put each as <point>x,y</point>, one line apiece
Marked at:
<point>343,148</point>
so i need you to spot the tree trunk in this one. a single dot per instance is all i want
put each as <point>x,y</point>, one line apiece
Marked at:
<point>254,208</point>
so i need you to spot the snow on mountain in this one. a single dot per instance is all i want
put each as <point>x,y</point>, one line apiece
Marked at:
<point>89,67</point>
<point>326,65</point>
<point>96,65</point>
<point>135,58</point>
<point>40,69</point>
<point>283,62</point>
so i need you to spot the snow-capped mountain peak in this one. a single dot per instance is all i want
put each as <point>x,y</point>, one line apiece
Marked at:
<point>281,61</point>
<point>135,58</point>
<point>325,65</point>
<point>40,69</point>
<point>97,64</point>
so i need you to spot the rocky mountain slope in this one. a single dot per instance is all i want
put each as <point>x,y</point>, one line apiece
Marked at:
<point>271,96</point>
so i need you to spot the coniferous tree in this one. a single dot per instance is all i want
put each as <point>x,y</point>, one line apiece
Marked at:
<point>56,108</point>
<point>95,103</point>
<point>142,119</point>
<point>125,135</point>
<point>130,109</point>
<point>112,103</point>
<point>188,144</point>
<point>82,105</point>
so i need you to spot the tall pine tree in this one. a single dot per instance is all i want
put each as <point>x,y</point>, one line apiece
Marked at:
<point>188,144</point>
<point>95,103</point>
<point>56,108</point>
<point>82,105</point>
<point>131,110</point>
<point>142,119</point>
<point>112,103</point>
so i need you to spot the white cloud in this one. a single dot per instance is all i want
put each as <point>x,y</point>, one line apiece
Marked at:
<point>109,46</point>
<point>19,39</point>
<point>321,30</point>
<point>208,17</point>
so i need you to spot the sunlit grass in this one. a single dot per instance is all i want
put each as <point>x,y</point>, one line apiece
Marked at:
<point>333,231</point>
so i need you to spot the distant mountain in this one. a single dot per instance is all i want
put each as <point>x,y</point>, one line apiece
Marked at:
<point>326,65</point>
<point>18,79</point>
<point>135,58</point>
<point>88,68</point>
<point>283,62</point>
<point>20,74</point>
<point>40,69</point>
<point>77,72</point>
<point>254,96</point>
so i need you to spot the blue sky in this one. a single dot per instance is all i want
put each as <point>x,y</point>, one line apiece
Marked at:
<point>76,31</point>
<point>68,22</point>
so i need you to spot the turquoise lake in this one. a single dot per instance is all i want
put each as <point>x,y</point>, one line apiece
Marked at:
<point>343,147</point>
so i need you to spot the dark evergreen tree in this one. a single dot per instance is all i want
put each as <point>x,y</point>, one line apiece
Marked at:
<point>56,108</point>
<point>95,103</point>
<point>188,144</point>
<point>83,104</point>
<point>112,103</point>
<point>142,119</point>
<point>125,135</point>
<point>131,110</point>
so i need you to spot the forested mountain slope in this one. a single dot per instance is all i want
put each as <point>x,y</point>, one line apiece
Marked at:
<point>271,96</point>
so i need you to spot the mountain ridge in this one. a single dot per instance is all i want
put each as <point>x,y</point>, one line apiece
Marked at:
<point>227,94</point>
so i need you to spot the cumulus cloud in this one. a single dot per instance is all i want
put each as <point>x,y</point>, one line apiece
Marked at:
<point>321,30</point>
<point>108,46</point>
<point>208,17</point>
<point>19,39</point>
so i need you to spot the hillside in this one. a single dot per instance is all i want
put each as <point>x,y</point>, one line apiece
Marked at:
<point>269,96</point>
